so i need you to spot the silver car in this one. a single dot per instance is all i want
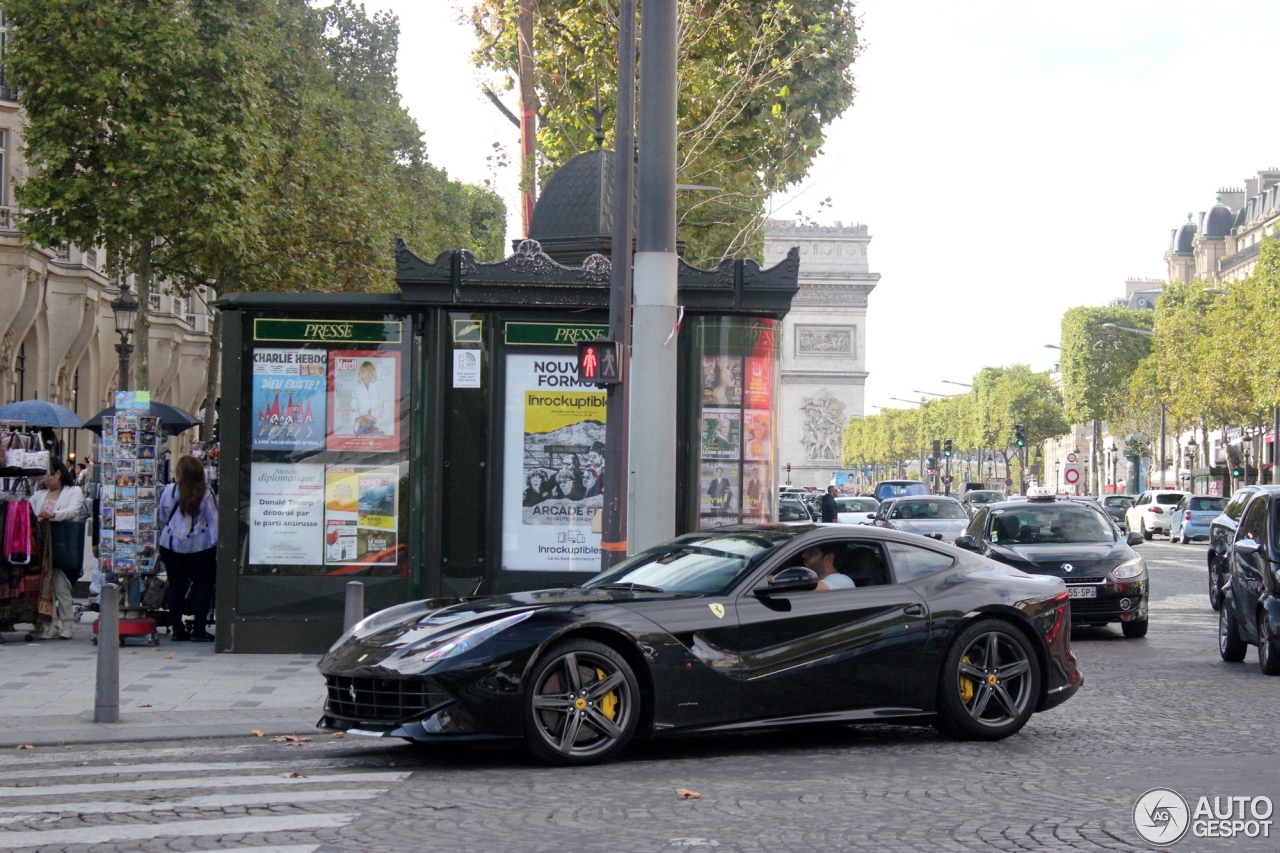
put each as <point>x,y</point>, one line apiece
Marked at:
<point>936,517</point>
<point>1192,516</point>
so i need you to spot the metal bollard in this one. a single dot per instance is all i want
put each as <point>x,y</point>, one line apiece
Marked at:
<point>106,700</point>
<point>355,605</point>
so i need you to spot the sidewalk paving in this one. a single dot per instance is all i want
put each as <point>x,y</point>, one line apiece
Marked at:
<point>170,691</point>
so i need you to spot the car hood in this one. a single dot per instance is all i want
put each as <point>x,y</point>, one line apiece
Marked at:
<point>947,528</point>
<point>390,638</point>
<point>1085,560</point>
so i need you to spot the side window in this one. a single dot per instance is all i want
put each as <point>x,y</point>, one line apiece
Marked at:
<point>862,561</point>
<point>1235,507</point>
<point>1254,524</point>
<point>977,524</point>
<point>1145,499</point>
<point>911,562</point>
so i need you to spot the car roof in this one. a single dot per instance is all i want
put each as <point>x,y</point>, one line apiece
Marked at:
<point>925,498</point>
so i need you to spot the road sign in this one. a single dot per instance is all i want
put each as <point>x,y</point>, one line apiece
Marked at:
<point>1071,476</point>
<point>1008,482</point>
<point>1071,459</point>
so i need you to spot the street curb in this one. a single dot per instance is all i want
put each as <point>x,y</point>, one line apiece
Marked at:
<point>92,733</point>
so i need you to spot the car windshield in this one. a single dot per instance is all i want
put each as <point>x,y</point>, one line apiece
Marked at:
<point>700,563</point>
<point>985,497</point>
<point>856,505</point>
<point>1207,504</point>
<point>792,511</point>
<point>1055,523</point>
<point>927,510</point>
<point>898,490</point>
<point>1168,498</point>
<point>1119,501</point>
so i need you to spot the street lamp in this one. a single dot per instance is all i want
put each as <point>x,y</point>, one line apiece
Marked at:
<point>931,393</point>
<point>903,400</point>
<point>1052,346</point>
<point>125,307</point>
<point>1144,332</point>
<point>961,384</point>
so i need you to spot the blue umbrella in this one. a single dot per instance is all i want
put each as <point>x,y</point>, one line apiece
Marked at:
<point>173,419</point>
<point>40,413</point>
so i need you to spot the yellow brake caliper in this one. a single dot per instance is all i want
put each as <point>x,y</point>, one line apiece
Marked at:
<point>966,685</point>
<point>609,702</point>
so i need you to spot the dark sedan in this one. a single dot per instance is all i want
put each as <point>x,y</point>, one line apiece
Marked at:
<point>1222,532</point>
<point>733,629</point>
<point>1116,506</point>
<point>1073,540</point>
<point>1250,612</point>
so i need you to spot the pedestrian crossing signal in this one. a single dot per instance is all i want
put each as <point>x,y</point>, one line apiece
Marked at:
<point>599,362</point>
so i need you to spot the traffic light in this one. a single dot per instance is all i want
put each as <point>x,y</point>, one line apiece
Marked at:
<point>937,447</point>
<point>1020,435</point>
<point>932,463</point>
<point>599,362</point>
<point>946,448</point>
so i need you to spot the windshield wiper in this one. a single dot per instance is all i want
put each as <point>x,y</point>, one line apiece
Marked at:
<point>634,587</point>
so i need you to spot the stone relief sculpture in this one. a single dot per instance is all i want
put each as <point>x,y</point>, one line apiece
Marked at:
<point>823,340</point>
<point>823,426</point>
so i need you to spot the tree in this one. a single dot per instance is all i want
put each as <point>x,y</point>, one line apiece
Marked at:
<point>759,82</point>
<point>1005,397</point>
<point>1096,365</point>
<point>142,124</point>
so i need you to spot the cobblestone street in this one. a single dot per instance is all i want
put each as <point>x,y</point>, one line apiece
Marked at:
<point>1162,711</point>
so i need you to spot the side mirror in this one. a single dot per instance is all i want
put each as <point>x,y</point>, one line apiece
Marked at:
<point>1247,547</point>
<point>968,543</point>
<point>871,516</point>
<point>794,579</point>
<point>1133,537</point>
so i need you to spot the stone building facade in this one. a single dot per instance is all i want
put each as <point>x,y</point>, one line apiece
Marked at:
<point>57,330</point>
<point>1222,245</point>
<point>824,344</point>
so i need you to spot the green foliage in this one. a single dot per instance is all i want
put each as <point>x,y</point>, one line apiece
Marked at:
<point>759,81</point>
<point>1097,361</point>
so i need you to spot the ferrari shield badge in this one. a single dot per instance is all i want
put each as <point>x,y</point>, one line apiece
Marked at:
<point>718,609</point>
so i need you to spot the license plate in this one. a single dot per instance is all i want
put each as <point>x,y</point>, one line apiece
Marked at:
<point>365,733</point>
<point>1082,592</point>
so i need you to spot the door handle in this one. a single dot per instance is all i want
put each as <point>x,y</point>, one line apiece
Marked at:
<point>914,610</point>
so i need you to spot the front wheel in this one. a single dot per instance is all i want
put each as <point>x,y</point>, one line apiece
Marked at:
<point>1268,647</point>
<point>1230,646</point>
<point>1134,630</point>
<point>990,683</point>
<point>582,704</point>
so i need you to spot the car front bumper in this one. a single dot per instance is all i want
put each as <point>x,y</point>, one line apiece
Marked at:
<point>1115,602</point>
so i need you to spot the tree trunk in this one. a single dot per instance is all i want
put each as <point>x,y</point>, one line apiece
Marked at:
<point>142,325</point>
<point>211,380</point>
<point>1094,480</point>
<point>528,113</point>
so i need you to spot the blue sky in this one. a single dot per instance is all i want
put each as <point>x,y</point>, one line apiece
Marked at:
<point>1011,159</point>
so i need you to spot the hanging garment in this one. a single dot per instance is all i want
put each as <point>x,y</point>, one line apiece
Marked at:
<point>44,610</point>
<point>19,543</point>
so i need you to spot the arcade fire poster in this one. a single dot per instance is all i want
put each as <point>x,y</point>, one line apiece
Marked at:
<point>553,466</point>
<point>288,399</point>
<point>364,400</point>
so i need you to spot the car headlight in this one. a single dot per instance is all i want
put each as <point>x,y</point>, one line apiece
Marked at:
<point>468,640</point>
<point>1129,569</point>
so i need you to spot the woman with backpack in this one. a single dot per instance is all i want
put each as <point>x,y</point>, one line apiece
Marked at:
<point>188,521</point>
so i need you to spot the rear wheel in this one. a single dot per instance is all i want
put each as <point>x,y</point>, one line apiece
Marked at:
<point>582,704</point>
<point>990,683</point>
<point>1215,585</point>
<point>1146,534</point>
<point>1268,647</point>
<point>1230,646</point>
<point>1135,630</point>
<point>1182,538</point>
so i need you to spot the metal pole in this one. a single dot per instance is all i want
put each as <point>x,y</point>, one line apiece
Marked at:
<point>354,611</point>
<point>613,544</point>
<point>654,344</point>
<point>1163,463</point>
<point>106,698</point>
<point>124,350</point>
<point>1275,446</point>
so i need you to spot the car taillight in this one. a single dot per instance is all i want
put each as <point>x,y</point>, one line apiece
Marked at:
<point>1157,510</point>
<point>1059,618</point>
<point>1187,517</point>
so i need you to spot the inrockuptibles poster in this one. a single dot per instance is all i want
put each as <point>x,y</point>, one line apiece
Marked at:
<point>286,514</point>
<point>555,424</point>
<point>360,509</point>
<point>364,400</point>
<point>289,398</point>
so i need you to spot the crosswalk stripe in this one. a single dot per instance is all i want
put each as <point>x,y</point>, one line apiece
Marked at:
<point>292,848</point>
<point>214,801</point>
<point>202,782</point>
<point>127,769</point>
<point>181,828</point>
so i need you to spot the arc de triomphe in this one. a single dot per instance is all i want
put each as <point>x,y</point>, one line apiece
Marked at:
<point>823,344</point>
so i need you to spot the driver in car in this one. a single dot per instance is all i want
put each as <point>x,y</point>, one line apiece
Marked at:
<point>822,559</point>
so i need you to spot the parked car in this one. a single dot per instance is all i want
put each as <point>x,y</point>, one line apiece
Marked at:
<point>1222,532</point>
<point>1151,512</point>
<point>860,510</point>
<point>1116,506</point>
<point>1192,516</point>
<point>717,631</point>
<point>937,517</point>
<point>792,510</point>
<point>974,498</point>
<point>1250,611</point>
<point>886,489</point>
<point>1073,540</point>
